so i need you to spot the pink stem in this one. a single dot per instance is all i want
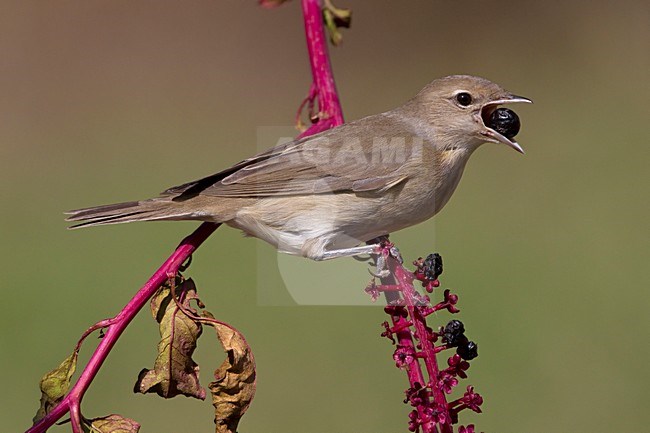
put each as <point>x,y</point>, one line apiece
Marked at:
<point>405,339</point>
<point>405,279</point>
<point>330,113</point>
<point>118,324</point>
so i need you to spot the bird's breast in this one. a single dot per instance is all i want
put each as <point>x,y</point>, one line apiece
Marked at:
<point>347,219</point>
<point>429,191</point>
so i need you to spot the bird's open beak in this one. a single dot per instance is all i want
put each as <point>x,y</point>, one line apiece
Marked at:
<point>490,134</point>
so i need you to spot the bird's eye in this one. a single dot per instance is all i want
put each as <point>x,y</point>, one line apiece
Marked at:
<point>464,99</point>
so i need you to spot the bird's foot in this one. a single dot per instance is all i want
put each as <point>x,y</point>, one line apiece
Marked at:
<point>381,269</point>
<point>384,249</point>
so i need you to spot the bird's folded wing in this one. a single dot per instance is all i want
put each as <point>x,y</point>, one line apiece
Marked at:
<point>326,163</point>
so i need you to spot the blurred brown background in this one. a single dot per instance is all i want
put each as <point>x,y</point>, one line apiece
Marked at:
<point>104,101</point>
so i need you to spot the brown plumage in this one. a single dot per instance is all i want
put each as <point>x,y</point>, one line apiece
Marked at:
<point>332,191</point>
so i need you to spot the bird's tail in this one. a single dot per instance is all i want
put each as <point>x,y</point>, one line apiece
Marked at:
<point>147,210</point>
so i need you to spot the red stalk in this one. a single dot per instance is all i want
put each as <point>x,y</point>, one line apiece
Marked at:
<point>404,280</point>
<point>117,325</point>
<point>330,115</point>
<point>323,86</point>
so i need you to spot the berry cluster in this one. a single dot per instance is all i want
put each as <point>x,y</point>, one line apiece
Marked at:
<point>453,335</point>
<point>417,344</point>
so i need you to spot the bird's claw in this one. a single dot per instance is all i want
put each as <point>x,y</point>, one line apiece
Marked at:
<point>380,273</point>
<point>381,269</point>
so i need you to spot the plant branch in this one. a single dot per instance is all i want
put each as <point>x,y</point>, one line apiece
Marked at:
<point>404,281</point>
<point>408,310</point>
<point>118,324</point>
<point>323,88</point>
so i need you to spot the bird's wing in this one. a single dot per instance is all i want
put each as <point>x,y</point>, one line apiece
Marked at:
<point>357,157</point>
<point>193,188</point>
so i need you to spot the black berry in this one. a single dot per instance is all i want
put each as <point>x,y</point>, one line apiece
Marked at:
<point>505,122</point>
<point>468,350</point>
<point>432,266</point>
<point>454,333</point>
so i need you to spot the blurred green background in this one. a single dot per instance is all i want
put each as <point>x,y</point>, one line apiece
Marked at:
<point>104,101</point>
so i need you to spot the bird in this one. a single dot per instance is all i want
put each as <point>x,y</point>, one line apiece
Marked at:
<point>327,195</point>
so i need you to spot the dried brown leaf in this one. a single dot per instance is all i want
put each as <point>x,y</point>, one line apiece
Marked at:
<point>174,372</point>
<point>54,385</point>
<point>111,424</point>
<point>235,380</point>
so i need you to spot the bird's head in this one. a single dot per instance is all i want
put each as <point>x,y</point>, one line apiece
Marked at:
<point>464,112</point>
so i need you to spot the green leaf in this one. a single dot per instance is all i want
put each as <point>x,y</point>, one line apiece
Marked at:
<point>111,424</point>
<point>54,385</point>
<point>174,372</point>
<point>235,380</point>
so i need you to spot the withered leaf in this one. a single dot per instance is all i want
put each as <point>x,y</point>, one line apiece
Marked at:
<point>235,380</point>
<point>174,372</point>
<point>54,385</point>
<point>111,424</point>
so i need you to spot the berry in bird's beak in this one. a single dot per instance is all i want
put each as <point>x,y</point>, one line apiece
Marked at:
<point>501,124</point>
<point>505,122</point>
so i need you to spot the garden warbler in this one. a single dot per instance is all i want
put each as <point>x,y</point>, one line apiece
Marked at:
<point>324,195</point>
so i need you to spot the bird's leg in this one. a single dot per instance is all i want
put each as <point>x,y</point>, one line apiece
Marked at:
<point>347,252</point>
<point>372,247</point>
